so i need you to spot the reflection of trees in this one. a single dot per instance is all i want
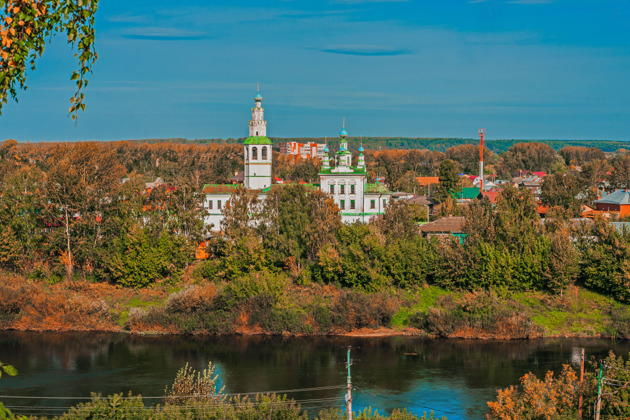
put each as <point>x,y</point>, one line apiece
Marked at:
<point>78,363</point>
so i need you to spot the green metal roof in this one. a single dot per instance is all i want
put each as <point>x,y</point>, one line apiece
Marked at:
<point>356,171</point>
<point>257,140</point>
<point>377,188</point>
<point>467,193</point>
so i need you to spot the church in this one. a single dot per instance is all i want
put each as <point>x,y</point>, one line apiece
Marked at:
<point>358,200</point>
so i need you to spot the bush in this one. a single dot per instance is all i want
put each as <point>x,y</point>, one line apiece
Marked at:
<point>356,309</point>
<point>477,314</point>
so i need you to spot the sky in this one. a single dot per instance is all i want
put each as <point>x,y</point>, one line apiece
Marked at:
<point>522,69</point>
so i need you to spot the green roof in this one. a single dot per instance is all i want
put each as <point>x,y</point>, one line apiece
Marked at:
<point>467,193</point>
<point>257,140</point>
<point>376,188</point>
<point>360,171</point>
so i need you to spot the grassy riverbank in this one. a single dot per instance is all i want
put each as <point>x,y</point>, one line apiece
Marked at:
<point>265,303</point>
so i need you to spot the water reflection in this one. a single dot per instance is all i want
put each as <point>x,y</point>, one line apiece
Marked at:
<point>453,377</point>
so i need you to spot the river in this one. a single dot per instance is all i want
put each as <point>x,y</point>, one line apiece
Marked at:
<point>455,378</point>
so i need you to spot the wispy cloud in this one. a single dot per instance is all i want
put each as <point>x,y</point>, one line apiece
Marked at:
<point>529,1</point>
<point>163,34</point>
<point>368,1</point>
<point>128,18</point>
<point>365,50</point>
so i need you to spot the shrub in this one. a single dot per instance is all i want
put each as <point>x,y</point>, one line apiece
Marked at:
<point>356,309</point>
<point>191,386</point>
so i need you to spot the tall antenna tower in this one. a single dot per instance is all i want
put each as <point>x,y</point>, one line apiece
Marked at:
<point>482,134</point>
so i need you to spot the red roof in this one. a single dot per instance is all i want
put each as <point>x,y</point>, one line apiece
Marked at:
<point>220,188</point>
<point>426,180</point>
<point>540,174</point>
<point>491,195</point>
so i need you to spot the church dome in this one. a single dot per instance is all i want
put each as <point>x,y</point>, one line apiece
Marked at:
<point>326,149</point>
<point>258,97</point>
<point>361,149</point>
<point>343,132</point>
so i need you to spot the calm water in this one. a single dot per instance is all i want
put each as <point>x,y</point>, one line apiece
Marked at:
<point>454,378</point>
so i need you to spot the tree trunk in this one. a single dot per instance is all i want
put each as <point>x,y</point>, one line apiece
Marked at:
<point>68,249</point>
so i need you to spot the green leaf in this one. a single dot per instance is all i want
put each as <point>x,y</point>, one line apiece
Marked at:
<point>9,370</point>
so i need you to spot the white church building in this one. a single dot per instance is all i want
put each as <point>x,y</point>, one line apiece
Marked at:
<point>358,200</point>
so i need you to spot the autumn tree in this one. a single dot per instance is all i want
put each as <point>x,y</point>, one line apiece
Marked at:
<point>620,175</point>
<point>529,156</point>
<point>82,184</point>
<point>536,399</point>
<point>401,220</point>
<point>24,28</point>
<point>579,155</point>
<point>241,214</point>
<point>467,155</point>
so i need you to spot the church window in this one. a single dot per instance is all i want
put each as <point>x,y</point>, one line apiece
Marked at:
<point>342,189</point>
<point>372,204</point>
<point>246,153</point>
<point>263,153</point>
<point>219,204</point>
<point>256,133</point>
<point>332,189</point>
<point>210,204</point>
<point>384,202</point>
<point>352,189</point>
<point>254,153</point>
<point>351,204</point>
<point>342,204</point>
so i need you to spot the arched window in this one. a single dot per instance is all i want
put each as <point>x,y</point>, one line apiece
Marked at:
<point>256,133</point>
<point>254,153</point>
<point>245,153</point>
<point>263,153</point>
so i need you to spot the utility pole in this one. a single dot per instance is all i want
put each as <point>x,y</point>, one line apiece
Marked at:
<point>482,134</point>
<point>599,390</point>
<point>581,385</point>
<point>349,394</point>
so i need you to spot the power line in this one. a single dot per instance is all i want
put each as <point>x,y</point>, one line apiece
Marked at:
<point>282,391</point>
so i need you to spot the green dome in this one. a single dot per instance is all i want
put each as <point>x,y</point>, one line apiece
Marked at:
<point>257,140</point>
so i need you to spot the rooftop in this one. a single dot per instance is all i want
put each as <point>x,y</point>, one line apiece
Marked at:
<point>445,225</point>
<point>377,188</point>
<point>257,140</point>
<point>615,197</point>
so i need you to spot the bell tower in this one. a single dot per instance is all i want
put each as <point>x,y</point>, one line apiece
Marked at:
<point>258,125</point>
<point>257,149</point>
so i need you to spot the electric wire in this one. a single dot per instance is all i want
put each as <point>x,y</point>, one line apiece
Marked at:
<point>282,391</point>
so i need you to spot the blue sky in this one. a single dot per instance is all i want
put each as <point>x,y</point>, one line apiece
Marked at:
<point>542,69</point>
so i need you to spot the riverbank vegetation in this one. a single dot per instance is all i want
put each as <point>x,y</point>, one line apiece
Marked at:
<point>194,395</point>
<point>87,244</point>
<point>557,396</point>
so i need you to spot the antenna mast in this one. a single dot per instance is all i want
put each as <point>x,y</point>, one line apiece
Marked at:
<point>482,134</point>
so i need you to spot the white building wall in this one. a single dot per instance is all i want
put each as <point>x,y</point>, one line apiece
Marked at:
<point>258,170</point>
<point>214,209</point>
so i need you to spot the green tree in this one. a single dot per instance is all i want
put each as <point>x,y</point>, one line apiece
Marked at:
<point>449,180</point>
<point>517,221</point>
<point>564,190</point>
<point>297,223</point>
<point>605,265</point>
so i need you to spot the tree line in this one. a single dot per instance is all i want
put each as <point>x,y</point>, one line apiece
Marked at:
<point>82,210</point>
